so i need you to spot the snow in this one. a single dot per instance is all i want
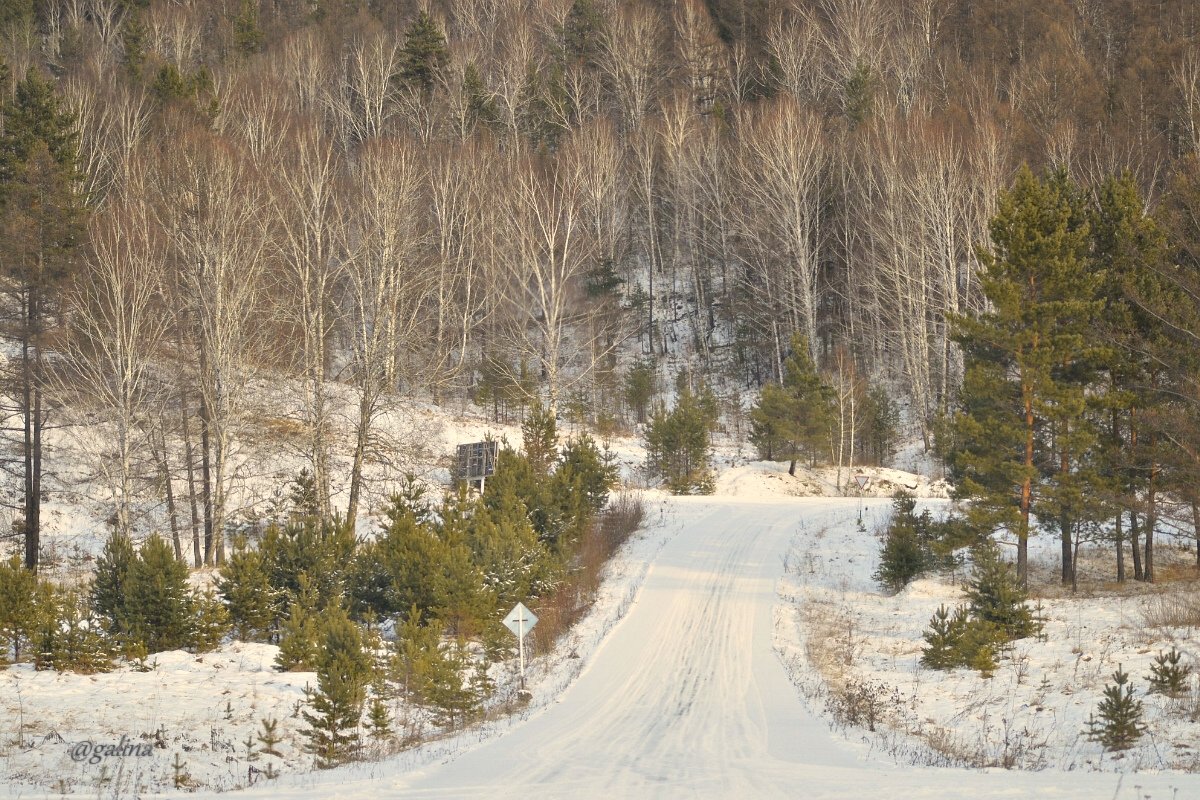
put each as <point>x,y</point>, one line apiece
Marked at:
<point>706,668</point>
<point>694,692</point>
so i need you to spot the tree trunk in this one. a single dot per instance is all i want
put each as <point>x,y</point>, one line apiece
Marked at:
<point>1064,518</point>
<point>1196,528</point>
<point>190,460</point>
<point>1118,534</point>
<point>1075,566</point>
<point>31,364</point>
<point>172,512</point>
<point>362,436</point>
<point>1151,519</point>
<point>31,530</point>
<point>1135,546</point>
<point>1026,491</point>
<point>1120,540</point>
<point>206,480</point>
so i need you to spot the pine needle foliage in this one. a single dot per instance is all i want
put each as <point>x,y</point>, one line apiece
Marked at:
<point>1120,716</point>
<point>1168,675</point>
<point>335,707</point>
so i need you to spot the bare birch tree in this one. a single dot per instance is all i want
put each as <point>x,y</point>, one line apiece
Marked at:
<point>549,256</point>
<point>781,169</point>
<point>212,209</point>
<point>385,293</point>
<point>109,369</point>
<point>305,215</point>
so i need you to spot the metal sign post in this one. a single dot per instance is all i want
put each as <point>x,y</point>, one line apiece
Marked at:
<point>862,481</point>
<point>521,621</point>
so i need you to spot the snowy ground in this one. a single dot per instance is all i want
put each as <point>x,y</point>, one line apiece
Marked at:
<point>201,708</point>
<point>700,690</point>
<point>706,668</point>
<point>1032,713</point>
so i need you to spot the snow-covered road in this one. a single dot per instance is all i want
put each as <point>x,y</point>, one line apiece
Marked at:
<point>687,698</point>
<point>684,698</point>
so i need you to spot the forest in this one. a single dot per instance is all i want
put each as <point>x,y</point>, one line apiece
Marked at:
<point>510,201</point>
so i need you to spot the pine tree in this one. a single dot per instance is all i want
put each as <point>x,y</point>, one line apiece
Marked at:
<point>677,443</point>
<point>108,585</point>
<point>18,607</point>
<point>511,561</point>
<point>906,552</point>
<point>463,603</point>
<point>67,635</point>
<point>858,94</point>
<point>640,388</point>
<point>481,107</point>
<point>270,738</point>
<point>303,495</point>
<point>431,674</point>
<point>211,622</point>
<point>343,672</point>
<point>1141,398</point>
<point>158,601</point>
<point>299,636</point>
<point>322,550</point>
<point>1019,356</point>
<point>792,420</point>
<point>539,439</point>
<point>424,54</point>
<point>246,590</point>
<point>548,511</point>
<point>995,595</point>
<point>1167,675</point>
<point>583,33</point>
<point>943,638</point>
<point>133,44</point>
<point>401,569</point>
<point>583,480</point>
<point>1120,724</point>
<point>247,35</point>
<point>379,719</point>
<point>42,222</point>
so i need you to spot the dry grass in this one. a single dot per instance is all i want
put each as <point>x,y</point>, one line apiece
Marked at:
<point>1096,571</point>
<point>1173,609</point>
<point>574,596</point>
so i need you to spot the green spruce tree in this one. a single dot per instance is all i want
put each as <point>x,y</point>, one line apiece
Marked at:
<point>424,54</point>
<point>335,706</point>
<point>792,419</point>
<point>1168,675</point>
<point>995,595</point>
<point>640,389</point>
<point>299,636</point>
<point>943,638</point>
<point>246,590</point>
<point>539,439</point>
<point>907,546</point>
<point>678,447</point>
<point>158,601</point>
<point>108,585</point>
<point>18,608</point>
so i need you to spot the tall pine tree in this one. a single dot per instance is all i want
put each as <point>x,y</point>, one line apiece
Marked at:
<point>42,220</point>
<point>1021,386</point>
<point>1129,251</point>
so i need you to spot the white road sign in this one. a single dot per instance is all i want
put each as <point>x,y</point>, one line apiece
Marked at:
<point>520,620</point>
